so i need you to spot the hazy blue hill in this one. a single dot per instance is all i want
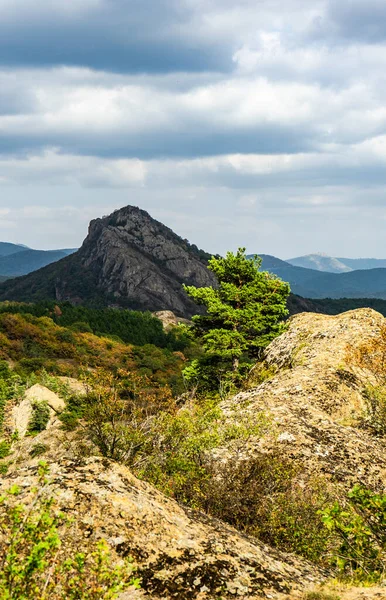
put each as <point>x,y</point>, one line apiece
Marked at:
<point>6,248</point>
<point>310,283</point>
<point>3,278</point>
<point>331,264</point>
<point>364,263</point>
<point>322,262</point>
<point>26,261</point>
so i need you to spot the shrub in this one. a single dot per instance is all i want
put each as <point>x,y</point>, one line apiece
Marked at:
<point>39,417</point>
<point>272,498</point>
<point>375,397</point>
<point>38,450</point>
<point>4,449</point>
<point>36,562</point>
<point>359,529</point>
<point>81,327</point>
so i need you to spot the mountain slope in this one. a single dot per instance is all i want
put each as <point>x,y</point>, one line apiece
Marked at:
<point>128,259</point>
<point>26,261</point>
<point>330,264</point>
<point>321,262</point>
<point>309,283</point>
<point>7,248</point>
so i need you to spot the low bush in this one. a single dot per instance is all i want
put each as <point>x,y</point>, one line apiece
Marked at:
<point>38,450</point>
<point>266,496</point>
<point>39,417</point>
<point>375,417</point>
<point>358,529</point>
<point>272,498</point>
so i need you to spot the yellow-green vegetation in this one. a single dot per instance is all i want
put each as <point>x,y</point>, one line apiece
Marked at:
<point>36,345</point>
<point>358,532</point>
<point>320,596</point>
<point>38,558</point>
<point>171,447</point>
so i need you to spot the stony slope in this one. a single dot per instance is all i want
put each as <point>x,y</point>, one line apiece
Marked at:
<point>128,259</point>
<point>314,402</point>
<point>179,553</point>
<point>316,398</point>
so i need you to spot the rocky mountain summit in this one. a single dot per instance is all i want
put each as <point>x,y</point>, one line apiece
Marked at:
<point>314,401</point>
<point>129,260</point>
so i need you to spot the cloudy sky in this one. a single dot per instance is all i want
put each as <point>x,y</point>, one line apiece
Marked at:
<point>251,122</point>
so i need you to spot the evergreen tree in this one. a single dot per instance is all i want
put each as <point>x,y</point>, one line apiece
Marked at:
<point>244,312</point>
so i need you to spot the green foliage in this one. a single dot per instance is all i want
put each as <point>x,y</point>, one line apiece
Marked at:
<point>4,448</point>
<point>62,352</point>
<point>37,563</point>
<point>11,388</point>
<point>359,529</point>
<point>272,498</point>
<point>244,313</point>
<point>129,326</point>
<point>375,417</point>
<point>39,417</point>
<point>38,450</point>
<point>119,412</point>
<point>81,327</point>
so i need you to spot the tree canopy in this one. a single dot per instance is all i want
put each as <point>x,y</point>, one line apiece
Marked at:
<point>244,312</point>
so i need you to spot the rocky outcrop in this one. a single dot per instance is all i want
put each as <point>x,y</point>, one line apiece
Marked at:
<point>316,398</point>
<point>21,413</point>
<point>178,553</point>
<point>313,402</point>
<point>129,260</point>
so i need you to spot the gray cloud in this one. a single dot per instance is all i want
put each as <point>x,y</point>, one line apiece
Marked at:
<point>353,20</point>
<point>234,123</point>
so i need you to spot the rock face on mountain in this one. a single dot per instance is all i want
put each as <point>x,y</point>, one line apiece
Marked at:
<point>317,398</point>
<point>128,259</point>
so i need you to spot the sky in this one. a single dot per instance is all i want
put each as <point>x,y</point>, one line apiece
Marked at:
<point>257,123</point>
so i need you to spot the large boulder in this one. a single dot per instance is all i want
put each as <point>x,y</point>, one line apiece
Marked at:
<point>22,412</point>
<point>316,398</point>
<point>179,554</point>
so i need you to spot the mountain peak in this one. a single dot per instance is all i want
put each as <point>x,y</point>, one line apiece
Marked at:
<point>128,259</point>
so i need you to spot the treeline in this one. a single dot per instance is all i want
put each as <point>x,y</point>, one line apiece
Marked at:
<point>334,306</point>
<point>129,326</point>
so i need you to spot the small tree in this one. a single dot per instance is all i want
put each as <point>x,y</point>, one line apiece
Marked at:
<point>244,313</point>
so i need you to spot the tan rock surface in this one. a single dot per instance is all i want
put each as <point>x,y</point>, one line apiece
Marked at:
<point>316,398</point>
<point>180,554</point>
<point>43,394</point>
<point>21,413</point>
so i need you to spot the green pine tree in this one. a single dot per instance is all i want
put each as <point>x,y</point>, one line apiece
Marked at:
<point>244,312</point>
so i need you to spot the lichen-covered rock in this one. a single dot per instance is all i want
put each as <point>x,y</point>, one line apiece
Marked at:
<point>179,554</point>
<point>315,399</point>
<point>42,394</point>
<point>21,413</point>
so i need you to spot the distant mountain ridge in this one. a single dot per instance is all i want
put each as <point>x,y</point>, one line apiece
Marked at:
<point>129,260</point>
<point>331,264</point>
<point>6,248</point>
<point>309,283</point>
<point>17,260</point>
